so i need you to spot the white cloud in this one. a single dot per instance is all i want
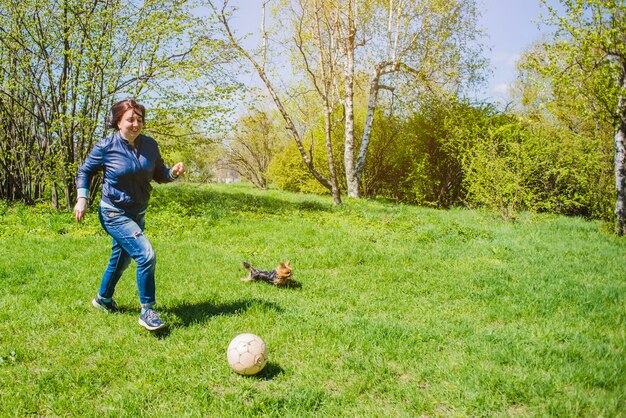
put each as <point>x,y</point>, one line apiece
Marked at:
<point>513,59</point>
<point>509,60</point>
<point>502,89</point>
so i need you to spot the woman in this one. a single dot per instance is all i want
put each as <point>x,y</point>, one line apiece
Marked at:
<point>129,161</point>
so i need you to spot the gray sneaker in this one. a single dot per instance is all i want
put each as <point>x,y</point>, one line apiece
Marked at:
<point>105,306</point>
<point>150,320</point>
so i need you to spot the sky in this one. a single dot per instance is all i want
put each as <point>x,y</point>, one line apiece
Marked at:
<point>511,26</point>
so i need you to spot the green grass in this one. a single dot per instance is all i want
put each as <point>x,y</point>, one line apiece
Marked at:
<point>402,311</point>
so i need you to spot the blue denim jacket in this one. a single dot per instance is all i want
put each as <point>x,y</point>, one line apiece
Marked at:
<point>127,172</point>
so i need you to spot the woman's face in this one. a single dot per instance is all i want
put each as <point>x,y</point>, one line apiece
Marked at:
<point>130,125</point>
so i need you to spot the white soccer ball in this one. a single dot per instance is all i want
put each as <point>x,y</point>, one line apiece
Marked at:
<point>246,354</point>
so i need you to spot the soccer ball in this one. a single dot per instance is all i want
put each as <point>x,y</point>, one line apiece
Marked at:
<point>246,354</point>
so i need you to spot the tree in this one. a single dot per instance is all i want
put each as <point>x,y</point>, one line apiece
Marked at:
<point>259,66</point>
<point>571,162</point>
<point>320,59</point>
<point>588,57</point>
<point>64,62</point>
<point>252,145</point>
<point>450,152</point>
<point>426,45</point>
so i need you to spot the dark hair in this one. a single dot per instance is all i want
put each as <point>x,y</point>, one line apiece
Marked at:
<point>118,110</point>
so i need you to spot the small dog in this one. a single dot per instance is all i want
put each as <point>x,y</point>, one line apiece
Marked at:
<point>280,276</point>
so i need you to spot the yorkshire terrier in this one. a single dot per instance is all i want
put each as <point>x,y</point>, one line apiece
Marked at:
<point>280,276</point>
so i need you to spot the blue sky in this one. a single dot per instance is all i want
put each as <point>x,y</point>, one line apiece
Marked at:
<point>511,27</point>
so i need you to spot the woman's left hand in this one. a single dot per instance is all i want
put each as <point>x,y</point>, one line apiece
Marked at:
<point>178,169</point>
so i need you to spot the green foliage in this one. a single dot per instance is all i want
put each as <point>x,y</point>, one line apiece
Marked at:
<point>426,158</point>
<point>570,133</point>
<point>288,172</point>
<point>388,161</point>
<point>568,173</point>
<point>583,69</point>
<point>409,161</point>
<point>403,311</point>
<point>436,177</point>
<point>494,170</point>
<point>453,153</point>
<point>185,140</point>
<point>257,136</point>
<point>512,163</point>
<point>199,154</point>
<point>66,61</point>
<point>586,58</point>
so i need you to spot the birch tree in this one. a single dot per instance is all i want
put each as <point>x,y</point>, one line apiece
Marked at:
<point>587,57</point>
<point>316,40</point>
<point>426,44</point>
<point>402,46</point>
<point>222,13</point>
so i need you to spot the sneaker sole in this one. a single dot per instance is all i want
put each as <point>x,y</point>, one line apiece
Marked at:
<point>97,305</point>
<point>148,327</point>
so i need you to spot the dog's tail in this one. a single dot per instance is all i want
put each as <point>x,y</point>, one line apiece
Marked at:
<point>247,265</point>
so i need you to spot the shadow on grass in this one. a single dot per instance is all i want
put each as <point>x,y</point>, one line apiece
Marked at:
<point>269,372</point>
<point>161,333</point>
<point>290,285</point>
<point>122,310</point>
<point>196,313</point>
<point>217,204</point>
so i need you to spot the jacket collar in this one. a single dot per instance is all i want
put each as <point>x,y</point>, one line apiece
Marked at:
<point>137,141</point>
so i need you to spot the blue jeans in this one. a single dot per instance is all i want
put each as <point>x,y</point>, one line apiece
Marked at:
<point>128,242</point>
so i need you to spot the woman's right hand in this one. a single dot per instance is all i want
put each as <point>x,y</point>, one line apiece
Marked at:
<point>80,209</point>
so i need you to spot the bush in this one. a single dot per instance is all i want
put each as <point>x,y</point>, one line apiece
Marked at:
<point>494,170</point>
<point>288,172</point>
<point>569,173</point>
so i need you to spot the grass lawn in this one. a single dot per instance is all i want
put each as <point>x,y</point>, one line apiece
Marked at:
<point>402,311</point>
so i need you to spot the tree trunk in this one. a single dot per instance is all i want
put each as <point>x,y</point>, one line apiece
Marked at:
<point>54,195</point>
<point>620,157</point>
<point>326,67</point>
<point>620,182</point>
<point>348,157</point>
<point>331,160</point>
<point>291,127</point>
<point>351,177</point>
<point>69,192</point>
<point>369,120</point>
